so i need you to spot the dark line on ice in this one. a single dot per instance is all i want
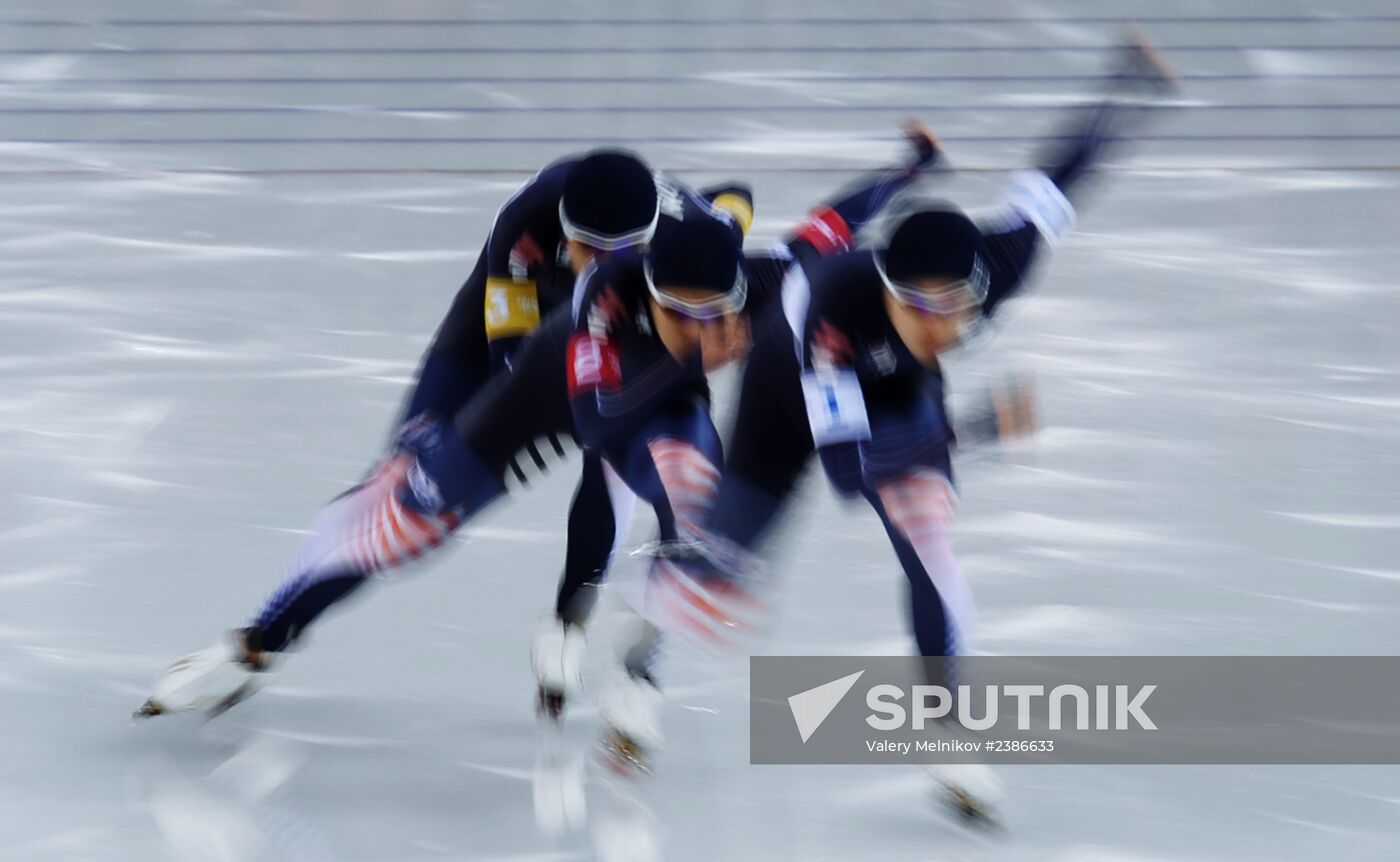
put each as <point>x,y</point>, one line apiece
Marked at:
<point>787,21</point>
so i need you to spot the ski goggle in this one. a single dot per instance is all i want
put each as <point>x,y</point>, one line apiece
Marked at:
<point>606,242</point>
<point>710,308</point>
<point>955,298</point>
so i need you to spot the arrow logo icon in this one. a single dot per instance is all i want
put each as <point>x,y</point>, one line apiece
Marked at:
<point>811,707</point>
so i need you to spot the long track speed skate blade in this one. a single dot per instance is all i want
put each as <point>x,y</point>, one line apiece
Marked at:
<point>621,754</point>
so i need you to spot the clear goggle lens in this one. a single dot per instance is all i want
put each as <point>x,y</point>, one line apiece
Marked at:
<point>710,308</point>
<point>602,242</point>
<point>956,298</point>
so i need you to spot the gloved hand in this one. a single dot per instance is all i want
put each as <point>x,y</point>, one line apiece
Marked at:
<point>1004,412</point>
<point>707,596</point>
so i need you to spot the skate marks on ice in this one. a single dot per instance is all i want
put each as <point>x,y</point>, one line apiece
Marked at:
<point>276,777</point>
<point>1100,543</point>
<point>245,807</point>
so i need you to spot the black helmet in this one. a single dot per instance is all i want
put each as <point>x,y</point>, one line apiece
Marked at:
<point>935,244</point>
<point>609,200</point>
<point>701,254</point>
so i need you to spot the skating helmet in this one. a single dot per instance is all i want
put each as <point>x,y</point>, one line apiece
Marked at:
<point>609,201</point>
<point>940,244</point>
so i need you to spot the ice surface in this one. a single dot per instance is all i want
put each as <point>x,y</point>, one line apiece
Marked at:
<point>214,291</point>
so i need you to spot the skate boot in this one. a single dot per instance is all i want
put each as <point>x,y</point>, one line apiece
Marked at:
<point>632,712</point>
<point>557,657</point>
<point>211,680</point>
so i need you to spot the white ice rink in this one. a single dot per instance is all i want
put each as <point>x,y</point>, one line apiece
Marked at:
<point>228,229</point>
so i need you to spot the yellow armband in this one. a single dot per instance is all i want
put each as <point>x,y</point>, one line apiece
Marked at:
<point>512,308</point>
<point>737,206</point>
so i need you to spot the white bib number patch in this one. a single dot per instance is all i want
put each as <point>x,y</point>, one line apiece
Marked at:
<point>835,407</point>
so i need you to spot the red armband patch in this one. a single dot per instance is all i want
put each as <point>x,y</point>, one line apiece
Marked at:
<point>826,231</point>
<point>594,363</point>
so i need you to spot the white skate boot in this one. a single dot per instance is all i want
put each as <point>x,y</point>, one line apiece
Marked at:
<point>557,657</point>
<point>632,712</point>
<point>211,680</point>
